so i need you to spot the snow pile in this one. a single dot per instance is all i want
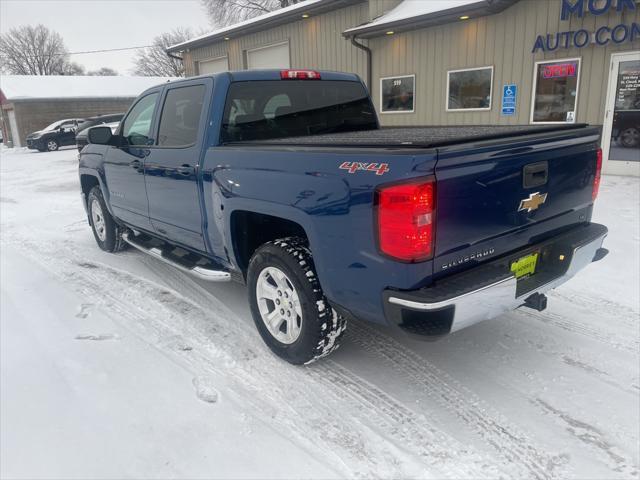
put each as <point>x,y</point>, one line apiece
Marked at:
<point>301,6</point>
<point>414,8</point>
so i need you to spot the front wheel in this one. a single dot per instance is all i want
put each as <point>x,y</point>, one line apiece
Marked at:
<point>288,306</point>
<point>106,231</point>
<point>52,145</point>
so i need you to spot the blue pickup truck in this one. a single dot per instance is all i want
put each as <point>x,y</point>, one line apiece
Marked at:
<point>285,181</point>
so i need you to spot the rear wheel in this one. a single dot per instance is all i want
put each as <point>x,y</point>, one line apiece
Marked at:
<point>288,306</point>
<point>52,145</point>
<point>106,231</point>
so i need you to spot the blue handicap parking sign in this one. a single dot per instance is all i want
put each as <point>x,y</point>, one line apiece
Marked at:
<point>509,94</point>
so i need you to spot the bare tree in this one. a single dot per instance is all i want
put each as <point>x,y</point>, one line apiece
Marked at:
<point>155,62</point>
<point>72,68</point>
<point>227,12</point>
<point>102,72</point>
<point>33,50</point>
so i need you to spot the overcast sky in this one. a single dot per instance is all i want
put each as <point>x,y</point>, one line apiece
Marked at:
<point>102,24</point>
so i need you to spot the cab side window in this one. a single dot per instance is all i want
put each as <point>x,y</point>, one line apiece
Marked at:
<point>136,127</point>
<point>181,116</point>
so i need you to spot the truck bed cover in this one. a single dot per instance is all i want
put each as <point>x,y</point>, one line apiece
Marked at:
<point>435,136</point>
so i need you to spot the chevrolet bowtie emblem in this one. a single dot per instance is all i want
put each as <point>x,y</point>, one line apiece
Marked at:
<point>533,202</point>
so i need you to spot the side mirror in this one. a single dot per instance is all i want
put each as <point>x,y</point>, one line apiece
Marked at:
<point>100,135</point>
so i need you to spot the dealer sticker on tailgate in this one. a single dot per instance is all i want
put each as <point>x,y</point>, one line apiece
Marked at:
<point>525,266</point>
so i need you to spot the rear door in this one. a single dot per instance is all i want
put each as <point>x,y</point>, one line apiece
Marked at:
<point>498,196</point>
<point>171,169</point>
<point>124,164</point>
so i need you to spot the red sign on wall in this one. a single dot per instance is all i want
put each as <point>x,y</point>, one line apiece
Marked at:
<point>559,70</point>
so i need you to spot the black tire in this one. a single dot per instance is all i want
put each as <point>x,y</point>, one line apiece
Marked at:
<point>110,231</point>
<point>321,327</point>
<point>52,145</point>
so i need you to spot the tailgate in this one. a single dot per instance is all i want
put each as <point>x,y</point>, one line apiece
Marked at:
<point>497,196</point>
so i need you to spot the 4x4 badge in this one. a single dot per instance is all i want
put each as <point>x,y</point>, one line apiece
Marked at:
<point>533,202</point>
<point>353,167</point>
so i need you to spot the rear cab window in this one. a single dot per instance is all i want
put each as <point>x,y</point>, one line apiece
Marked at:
<point>262,110</point>
<point>180,116</point>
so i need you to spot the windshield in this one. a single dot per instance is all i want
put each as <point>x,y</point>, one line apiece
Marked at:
<point>260,110</point>
<point>54,125</point>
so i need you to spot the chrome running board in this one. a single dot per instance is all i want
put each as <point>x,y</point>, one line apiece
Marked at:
<point>188,262</point>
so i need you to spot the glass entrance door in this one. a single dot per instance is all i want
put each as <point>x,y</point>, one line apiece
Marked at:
<point>621,133</point>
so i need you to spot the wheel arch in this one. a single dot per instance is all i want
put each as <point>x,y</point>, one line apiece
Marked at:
<point>90,178</point>
<point>250,229</point>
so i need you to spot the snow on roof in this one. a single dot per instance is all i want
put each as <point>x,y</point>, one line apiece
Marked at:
<point>17,87</point>
<point>414,8</point>
<point>302,6</point>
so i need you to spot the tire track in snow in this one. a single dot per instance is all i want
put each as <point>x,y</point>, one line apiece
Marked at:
<point>610,339</point>
<point>508,442</point>
<point>413,432</point>
<point>145,303</point>
<point>594,439</point>
<point>622,313</point>
<point>409,429</point>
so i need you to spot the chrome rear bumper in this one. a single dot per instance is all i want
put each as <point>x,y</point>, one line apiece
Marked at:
<point>489,290</point>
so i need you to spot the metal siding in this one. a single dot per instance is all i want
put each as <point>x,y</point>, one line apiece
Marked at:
<point>504,40</point>
<point>316,42</point>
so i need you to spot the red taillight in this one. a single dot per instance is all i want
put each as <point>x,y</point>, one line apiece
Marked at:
<point>596,180</point>
<point>299,75</point>
<point>406,220</point>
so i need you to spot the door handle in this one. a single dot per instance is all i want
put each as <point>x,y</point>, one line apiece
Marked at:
<point>186,170</point>
<point>535,174</point>
<point>135,164</point>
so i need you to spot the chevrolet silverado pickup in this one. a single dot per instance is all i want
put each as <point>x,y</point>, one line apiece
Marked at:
<point>285,181</point>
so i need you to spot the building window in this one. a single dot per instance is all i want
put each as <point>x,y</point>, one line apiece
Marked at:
<point>469,89</point>
<point>555,91</point>
<point>397,94</point>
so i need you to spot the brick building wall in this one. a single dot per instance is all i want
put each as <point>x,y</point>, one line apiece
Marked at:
<point>33,115</point>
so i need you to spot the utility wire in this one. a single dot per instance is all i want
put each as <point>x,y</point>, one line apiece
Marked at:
<point>87,51</point>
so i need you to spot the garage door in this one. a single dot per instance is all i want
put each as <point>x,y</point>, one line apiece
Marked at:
<point>216,65</point>
<point>273,56</point>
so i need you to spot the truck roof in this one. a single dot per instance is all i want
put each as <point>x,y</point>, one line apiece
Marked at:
<point>256,75</point>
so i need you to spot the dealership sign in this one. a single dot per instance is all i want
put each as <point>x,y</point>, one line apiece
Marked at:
<point>621,33</point>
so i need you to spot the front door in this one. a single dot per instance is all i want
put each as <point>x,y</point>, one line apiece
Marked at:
<point>67,135</point>
<point>621,132</point>
<point>171,170</point>
<point>124,164</point>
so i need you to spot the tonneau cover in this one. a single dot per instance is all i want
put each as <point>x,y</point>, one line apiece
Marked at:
<point>415,136</point>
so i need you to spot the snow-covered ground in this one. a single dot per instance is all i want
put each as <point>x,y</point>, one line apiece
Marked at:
<point>120,366</point>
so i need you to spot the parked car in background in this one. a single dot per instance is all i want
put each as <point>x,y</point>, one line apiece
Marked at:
<point>83,128</point>
<point>54,136</point>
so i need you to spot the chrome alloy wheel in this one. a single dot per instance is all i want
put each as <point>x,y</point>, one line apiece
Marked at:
<point>279,305</point>
<point>98,220</point>
<point>52,145</point>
